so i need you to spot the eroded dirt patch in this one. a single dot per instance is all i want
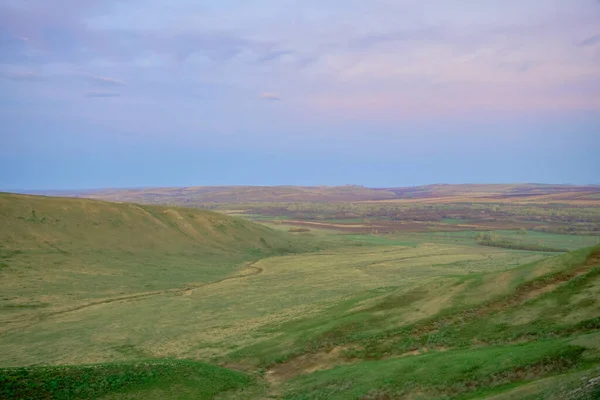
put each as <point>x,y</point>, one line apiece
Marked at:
<point>306,364</point>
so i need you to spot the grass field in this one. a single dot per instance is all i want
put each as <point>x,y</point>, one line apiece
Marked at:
<point>139,307</point>
<point>235,312</point>
<point>157,379</point>
<point>468,237</point>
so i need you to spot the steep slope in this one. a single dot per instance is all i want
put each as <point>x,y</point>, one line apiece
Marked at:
<point>73,249</point>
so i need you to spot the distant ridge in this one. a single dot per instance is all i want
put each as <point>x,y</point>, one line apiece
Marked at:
<point>198,195</point>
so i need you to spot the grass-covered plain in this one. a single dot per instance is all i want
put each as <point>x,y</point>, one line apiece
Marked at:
<point>306,316</point>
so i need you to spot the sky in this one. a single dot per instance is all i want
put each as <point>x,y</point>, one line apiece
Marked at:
<point>138,93</point>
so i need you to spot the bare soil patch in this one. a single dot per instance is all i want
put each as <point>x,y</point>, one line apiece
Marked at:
<point>305,364</point>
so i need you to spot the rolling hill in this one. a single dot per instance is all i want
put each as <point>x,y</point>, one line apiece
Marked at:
<point>113,250</point>
<point>438,193</point>
<point>113,300</point>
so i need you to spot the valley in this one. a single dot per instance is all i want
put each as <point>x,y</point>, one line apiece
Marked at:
<point>279,312</point>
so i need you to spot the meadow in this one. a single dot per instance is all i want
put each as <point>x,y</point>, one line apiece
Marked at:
<point>116,300</point>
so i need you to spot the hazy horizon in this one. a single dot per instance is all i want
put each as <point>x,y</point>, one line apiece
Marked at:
<point>84,189</point>
<point>108,94</point>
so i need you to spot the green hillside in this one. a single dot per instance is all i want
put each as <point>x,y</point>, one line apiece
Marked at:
<point>156,379</point>
<point>56,252</point>
<point>112,300</point>
<point>546,326</point>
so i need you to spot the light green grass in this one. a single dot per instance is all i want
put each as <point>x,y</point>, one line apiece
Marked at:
<point>58,252</point>
<point>169,283</point>
<point>217,319</point>
<point>260,217</point>
<point>550,240</point>
<point>454,221</point>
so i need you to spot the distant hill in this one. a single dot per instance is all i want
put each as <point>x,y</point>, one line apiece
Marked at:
<point>441,193</point>
<point>232,194</point>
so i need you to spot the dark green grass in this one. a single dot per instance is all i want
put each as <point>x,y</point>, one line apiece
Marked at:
<point>171,378</point>
<point>509,244</point>
<point>535,239</point>
<point>454,221</point>
<point>450,374</point>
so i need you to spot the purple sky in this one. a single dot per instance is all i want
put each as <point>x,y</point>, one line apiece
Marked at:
<point>106,93</point>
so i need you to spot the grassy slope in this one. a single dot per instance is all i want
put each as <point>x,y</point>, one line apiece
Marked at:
<point>545,325</point>
<point>257,316</point>
<point>439,374</point>
<point>156,379</point>
<point>57,254</point>
<point>111,250</point>
<point>482,321</point>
